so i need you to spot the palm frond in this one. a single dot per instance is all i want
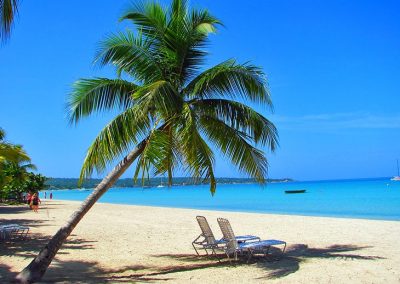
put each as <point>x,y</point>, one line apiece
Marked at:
<point>12,153</point>
<point>203,22</point>
<point>186,36</point>
<point>160,97</point>
<point>131,54</point>
<point>155,150</point>
<point>29,166</point>
<point>99,94</point>
<point>198,156</point>
<point>231,80</point>
<point>116,139</point>
<point>2,134</point>
<point>8,12</point>
<point>235,145</point>
<point>179,8</point>
<point>240,117</point>
<point>149,17</point>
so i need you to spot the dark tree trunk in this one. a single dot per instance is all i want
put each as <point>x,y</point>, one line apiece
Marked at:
<point>37,268</point>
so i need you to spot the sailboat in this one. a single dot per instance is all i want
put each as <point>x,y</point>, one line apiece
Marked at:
<point>161,185</point>
<point>396,178</point>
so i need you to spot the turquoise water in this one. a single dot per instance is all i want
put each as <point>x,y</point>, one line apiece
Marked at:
<point>365,198</point>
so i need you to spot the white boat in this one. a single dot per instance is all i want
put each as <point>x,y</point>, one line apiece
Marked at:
<point>161,185</point>
<point>396,178</point>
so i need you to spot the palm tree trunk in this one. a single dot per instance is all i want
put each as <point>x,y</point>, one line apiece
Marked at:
<point>37,268</point>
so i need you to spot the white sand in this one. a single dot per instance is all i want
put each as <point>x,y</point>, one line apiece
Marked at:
<point>121,243</point>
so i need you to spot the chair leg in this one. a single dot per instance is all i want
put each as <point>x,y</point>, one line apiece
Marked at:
<point>283,251</point>
<point>279,256</point>
<point>250,255</point>
<point>195,249</point>
<point>195,242</point>
<point>215,254</point>
<point>26,234</point>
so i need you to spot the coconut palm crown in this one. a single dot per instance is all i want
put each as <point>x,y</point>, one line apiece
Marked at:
<point>170,103</point>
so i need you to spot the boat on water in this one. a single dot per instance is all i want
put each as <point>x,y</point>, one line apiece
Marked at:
<point>161,184</point>
<point>295,191</point>
<point>396,178</point>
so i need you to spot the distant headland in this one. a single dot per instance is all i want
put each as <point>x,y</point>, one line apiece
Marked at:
<point>72,183</point>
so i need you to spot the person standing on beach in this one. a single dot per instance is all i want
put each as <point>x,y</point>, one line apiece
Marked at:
<point>51,195</point>
<point>45,195</point>
<point>35,202</point>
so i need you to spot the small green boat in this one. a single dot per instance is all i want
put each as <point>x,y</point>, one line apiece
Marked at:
<point>295,191</point>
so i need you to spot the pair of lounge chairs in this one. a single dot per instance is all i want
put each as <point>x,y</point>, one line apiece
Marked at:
<point>13,231</point>
<point>230,244</point>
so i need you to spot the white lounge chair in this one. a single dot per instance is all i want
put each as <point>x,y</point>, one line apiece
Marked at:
<point>250,248</point>
<point>13,231</point>
<point>207,241</point>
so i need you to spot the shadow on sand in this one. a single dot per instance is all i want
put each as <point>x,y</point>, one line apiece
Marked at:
<point>298,253</point>
<point>92,272</point>
<point>289,263</point>
<point>29,248</point>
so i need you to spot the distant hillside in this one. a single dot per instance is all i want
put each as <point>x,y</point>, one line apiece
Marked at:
<point>71,183</point>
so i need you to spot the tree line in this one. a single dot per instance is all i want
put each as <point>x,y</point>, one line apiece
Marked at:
<point>16,176</point>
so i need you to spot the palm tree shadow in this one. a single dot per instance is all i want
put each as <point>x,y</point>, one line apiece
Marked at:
<point>73,271</point>
<point>13,209</point>
<point>188,262</point>
<point>6,275</point>
<point>92,272</point>
<point>298,253</point>
<point>288,264</point>
<point>31,245</point>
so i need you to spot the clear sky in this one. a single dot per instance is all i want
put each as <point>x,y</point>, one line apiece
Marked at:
<point>333,69</point>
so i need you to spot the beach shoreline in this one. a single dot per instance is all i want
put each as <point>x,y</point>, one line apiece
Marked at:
<point>360,199</point>
<point>222,211</point>
<point>141,243</point>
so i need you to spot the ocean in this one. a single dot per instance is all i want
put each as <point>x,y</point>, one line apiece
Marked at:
<point>377,198</point>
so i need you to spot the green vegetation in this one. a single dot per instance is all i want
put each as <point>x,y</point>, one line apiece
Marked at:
<point>170,109</point>
<point>15,179</point>
<point>72,183</point>
<point>8,11</point>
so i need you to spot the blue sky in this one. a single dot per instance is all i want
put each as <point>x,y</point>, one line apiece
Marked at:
<point>332,66</point>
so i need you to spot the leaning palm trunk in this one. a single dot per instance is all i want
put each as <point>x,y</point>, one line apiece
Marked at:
<point>37,268</point>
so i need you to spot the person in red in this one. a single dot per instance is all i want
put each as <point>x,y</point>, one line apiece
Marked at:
<point>35,200</point>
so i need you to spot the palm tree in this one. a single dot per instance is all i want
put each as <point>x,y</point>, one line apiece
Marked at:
<point>14,177</point>
<point>18,170</point>
<point>9,154</point>
<point>169,110</point>
<point>8,11</point>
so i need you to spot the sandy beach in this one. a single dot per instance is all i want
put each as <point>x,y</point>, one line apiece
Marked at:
<point>124,243</point>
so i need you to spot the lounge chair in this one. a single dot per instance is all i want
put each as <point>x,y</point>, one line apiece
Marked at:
<point>11,231</point>
<point>5,232</point>
<point>250,248</point>
<point>207,241</point>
